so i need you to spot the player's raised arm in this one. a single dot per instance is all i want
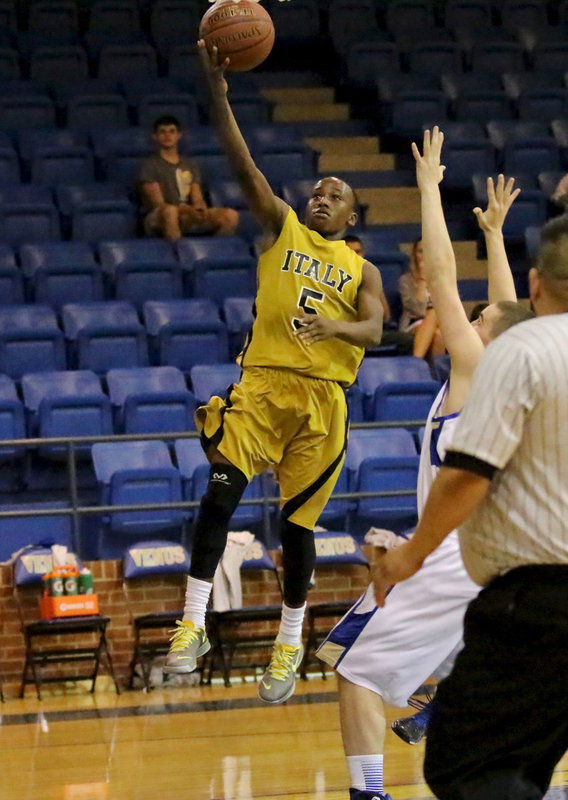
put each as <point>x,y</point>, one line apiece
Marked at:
<point>462,342</point>
<point>270,210</point>
<point>500,199</point>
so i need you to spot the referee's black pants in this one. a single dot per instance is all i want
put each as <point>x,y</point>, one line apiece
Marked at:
<point>501,723</point>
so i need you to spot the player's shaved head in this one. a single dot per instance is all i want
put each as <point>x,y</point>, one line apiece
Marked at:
<point>552,258</point>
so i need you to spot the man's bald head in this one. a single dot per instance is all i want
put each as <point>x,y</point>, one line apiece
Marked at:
<point>551,261</point>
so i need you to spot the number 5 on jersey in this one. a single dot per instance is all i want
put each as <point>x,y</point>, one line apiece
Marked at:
<point>307,295</point>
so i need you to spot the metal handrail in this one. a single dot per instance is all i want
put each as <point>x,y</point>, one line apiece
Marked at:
<point>76,510</point>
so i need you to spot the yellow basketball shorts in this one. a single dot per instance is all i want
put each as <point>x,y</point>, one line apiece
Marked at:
<point>278,419</point>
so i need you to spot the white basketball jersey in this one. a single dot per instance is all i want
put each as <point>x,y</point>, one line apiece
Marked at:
<point>437,435</point>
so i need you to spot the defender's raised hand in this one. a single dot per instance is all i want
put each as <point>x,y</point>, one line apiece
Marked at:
<point>214,70</point>
<point>428,168</point>
<point>500,198</point>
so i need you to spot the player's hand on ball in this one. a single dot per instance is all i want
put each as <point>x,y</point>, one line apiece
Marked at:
<point>428,168</point>
<point>214,70</point>
<point>316,328</point>
<point>393,567</point>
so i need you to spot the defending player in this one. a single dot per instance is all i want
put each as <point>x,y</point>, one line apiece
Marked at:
<point>317,308</point>
<point>383,655</point>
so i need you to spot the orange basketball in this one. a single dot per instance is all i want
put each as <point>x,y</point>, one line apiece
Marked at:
<point>241,30</point>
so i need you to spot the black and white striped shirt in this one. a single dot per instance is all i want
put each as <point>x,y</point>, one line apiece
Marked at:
<point>515,421</point>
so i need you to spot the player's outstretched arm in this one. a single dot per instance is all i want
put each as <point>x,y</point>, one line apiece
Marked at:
<point>462,343</point>
<point>270,210</point>
<point>500,198</point>
<point>366,331</point>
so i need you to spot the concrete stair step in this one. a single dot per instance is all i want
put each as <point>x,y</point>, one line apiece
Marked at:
<point>302,95</point>
<point>344,145</point>
<point>338,162</point>
<point>391,205</point>
<point>298,112</point>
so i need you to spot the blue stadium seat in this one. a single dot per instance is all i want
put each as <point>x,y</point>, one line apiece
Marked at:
<point>104,335</point>
<point>9,166</point>
<point>119,141</point>
<point>137,472</point>
<point>238,313</point>
<point>150,400</point>
<point>462,157</point>
<point>412,108</point>
<point>12,422</point>
<point>93,220</point>
<point>189,456</point>
<point>182,335</point>
<point>435,57</point>
<point>18,113</point>
<point>213,379</point>
<point>532,240</point>
<point>404,400</point>
<point>97,110</point>
<point>543,104</point>
<point>375,372</point>
<point>527,14</point>
<point>33,529</point>
<point>455,84</point>
<point>497,57</point>
<point>220,277</point>
<point>9,64</point>
<point>350,20</point>
<point>370,442</point>
<point>27,214</point>
<point>483,106</point>
<point>11,283</point>
<point>516,83</point>
<point>64,89</point>
<point>172,23</point>
<point>296,22</point>
<point>280,168</point>
<point>114,15</point>
<point>61,272</point>
<point>181,105</point>
<point>227,194</point>
<point>250,110</point>
<point>30,141</point>
<point>127,61</point>
<point>58,17</point>
<point>467,14</point>
<point>30,340</point>
<point>54,63</point>
<point>55,165</point>
<point>142,270</point>
<point>383,475</point>
<point>68,403</point>
<point>183,62</point>
<point>403,16</point>
<point>531,154</point>
<point>551,57</point>
<point>503,131</point>
<point>134,89</point>
<point>193,248</point>
<point>366,60</point>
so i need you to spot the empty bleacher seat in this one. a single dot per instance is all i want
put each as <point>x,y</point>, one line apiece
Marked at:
<point>366,60</point>
<point>11,283</point>
<point>404,400</point>
<point>531,154</point>
<point>68,403</point>
<point>543,104</point>
<point>350,20</point>
<point>412,108</point>
<point>127,61</point>
<point>377,371</point>
<point>54,165</point>
<point>104,335</point>
<point>27,213</point>
<point>185,332</point>
<point>96,110</point>
<point>238,313</point>
<point>150,400</point>
<point>173,22</point>
<point>17,113</point>
<point>12,426</point>
<point>142,270</point>
<point>54,63</point>
<point>30,340</point>
<point>213,379</point>
<point>61,272</point>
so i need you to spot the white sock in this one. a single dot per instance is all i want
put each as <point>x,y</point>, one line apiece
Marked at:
<point>366,772</point>
<point>290,631</point>
<point>196,598</point>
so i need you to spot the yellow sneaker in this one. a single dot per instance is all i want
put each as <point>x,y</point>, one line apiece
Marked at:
<point>187,644</point>
<point>279,680</point>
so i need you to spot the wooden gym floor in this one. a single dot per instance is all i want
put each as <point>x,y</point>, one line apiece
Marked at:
<point>191,743</point>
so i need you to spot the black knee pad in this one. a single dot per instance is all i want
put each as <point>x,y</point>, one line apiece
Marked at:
<point>224,491</point>
<point>298,561</point>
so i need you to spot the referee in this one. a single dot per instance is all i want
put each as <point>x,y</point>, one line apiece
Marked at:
<point>501,724</point>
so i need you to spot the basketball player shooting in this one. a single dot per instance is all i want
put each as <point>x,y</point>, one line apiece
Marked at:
<point>317,307</point>
<point>384,655</point>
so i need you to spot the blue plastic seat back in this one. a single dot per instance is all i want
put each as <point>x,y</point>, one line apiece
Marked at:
<point>410,400</point>
<point>145,485</point>
<point>159,313</point>
<point>37,387</point>
<point>384,475</point>
<point>12,421</point>
<point>375,371</point>
<point>193,248</point>
<point>18,532</point>
<point>213,379</point>
<point>371,442</point>
<point>42,255</point>
<point>219,278</point>
<point>109,457</point>
<point>127,61</point>
<point>135,251</point>
<point>51,63</point>
<point>55,165</point>
<point>135,380</point>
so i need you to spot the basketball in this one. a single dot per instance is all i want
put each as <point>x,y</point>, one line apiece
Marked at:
<point>241,30</point>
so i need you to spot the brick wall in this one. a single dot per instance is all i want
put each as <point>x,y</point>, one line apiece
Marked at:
<point>158,594</point>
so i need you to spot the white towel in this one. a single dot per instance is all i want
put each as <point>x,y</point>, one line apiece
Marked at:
<point>227,588</point>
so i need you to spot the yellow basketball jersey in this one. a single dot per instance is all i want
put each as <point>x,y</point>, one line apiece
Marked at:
<point>303,272</point>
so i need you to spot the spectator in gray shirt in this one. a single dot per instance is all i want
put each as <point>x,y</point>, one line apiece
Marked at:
<point>170,190</point>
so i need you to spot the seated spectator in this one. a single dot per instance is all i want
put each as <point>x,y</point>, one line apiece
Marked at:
<point>403,342</point>
<point>170,190</point>
<point>418,317</point>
